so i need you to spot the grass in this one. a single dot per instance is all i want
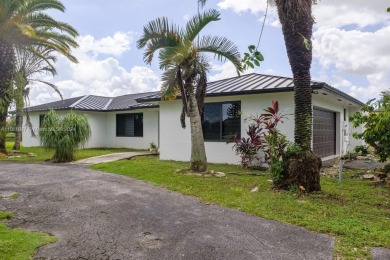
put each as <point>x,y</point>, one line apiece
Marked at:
<point>10,137</point>
<point>19,244</point>
<point>354,212</point>
<point>15,195</point>
<point>43,155</point>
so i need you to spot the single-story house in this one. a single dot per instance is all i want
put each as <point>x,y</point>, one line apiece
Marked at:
<point>136,120</point>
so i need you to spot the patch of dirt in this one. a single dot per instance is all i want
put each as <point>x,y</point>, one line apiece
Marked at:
<point>208,173</point>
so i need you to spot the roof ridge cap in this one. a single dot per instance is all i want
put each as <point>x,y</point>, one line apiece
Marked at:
<point>108,103</point>
<point>78,101</point>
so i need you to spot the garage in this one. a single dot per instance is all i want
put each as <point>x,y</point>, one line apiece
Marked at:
<point>324,132</point>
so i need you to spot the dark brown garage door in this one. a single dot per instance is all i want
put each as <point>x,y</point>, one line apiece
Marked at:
<point>324,132</point>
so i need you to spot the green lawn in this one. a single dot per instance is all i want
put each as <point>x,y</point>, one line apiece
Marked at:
<point>43,154</point>
<point>354,212</point>
<point>19,244</point>
<point>10,137</point>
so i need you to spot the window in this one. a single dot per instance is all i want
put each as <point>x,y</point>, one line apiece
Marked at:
<point>41,118</point>
<point>220,121</point>
<point>129,125</point>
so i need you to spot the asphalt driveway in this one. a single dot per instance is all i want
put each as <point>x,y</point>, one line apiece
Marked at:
<point>97,215</point>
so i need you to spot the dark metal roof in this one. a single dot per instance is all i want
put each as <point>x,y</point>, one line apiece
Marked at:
<point>97,103</point>
<point>92,103</point>
<point>128,101</point>
<point>57,105</point>
<point>255,83</point>
<point>247,84</point>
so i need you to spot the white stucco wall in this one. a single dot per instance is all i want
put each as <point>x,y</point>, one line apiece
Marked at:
<point>176,142</point>
<point>150,132</point>
<point>352,142</point>
<point>96,121</point>
<point>27,139</point>
<point>103,130</point>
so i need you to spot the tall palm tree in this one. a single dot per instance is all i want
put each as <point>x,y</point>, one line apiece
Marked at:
<point>29,63</point>
<point>297,25</point>
<point>24,22</point>
<point>303,170</point>
<point>182,57</point>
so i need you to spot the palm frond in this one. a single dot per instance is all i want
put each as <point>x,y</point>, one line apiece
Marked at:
<point>41,5</point>
<point>169,86</point>
<point>162,44</point>
<point>202,2</point>
<point>202,67</point>
<point>222,48</point>
<point>176,55</point>
<point>156,29</point>
<point>43,21</point>
<point>54,87</point>
<point>58,38</point>
<point>32,60</point>
<point>197,23</point>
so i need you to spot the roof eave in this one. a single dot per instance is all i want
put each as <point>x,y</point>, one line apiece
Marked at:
<point>342,94</point>
<point>317,86</point>
<point>93,110</point>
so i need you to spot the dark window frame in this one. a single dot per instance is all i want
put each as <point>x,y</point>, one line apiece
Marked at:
<point>220,121</point>
<point>41,118</point>
<point>118,134</point>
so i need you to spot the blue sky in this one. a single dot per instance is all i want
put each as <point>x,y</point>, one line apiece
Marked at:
<point>350,44</point>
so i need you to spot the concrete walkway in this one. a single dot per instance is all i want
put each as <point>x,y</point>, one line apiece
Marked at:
<point>97,215</point>
<point>109,158</point>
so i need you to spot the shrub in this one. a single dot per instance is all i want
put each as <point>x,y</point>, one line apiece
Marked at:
<point>375,117</point>
<point>386,168</point>
<point>361,149</point>
<point>292,149</point>
<point>64,134</point>
<point>152,145</point>
<point>248,147</point>
<point>264,137</point>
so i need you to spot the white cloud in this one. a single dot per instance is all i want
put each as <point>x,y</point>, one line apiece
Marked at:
<point>224,71</point>
<point>350,38</point>
<point>354,51</point>
<point>253,6</point>
<point>95,75</point>
<point>111,45</point>
<point>358,53</point>
<point>336,13</point>
<point>328,13</point>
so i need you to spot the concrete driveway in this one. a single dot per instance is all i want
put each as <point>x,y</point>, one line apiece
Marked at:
<point>97,215</point>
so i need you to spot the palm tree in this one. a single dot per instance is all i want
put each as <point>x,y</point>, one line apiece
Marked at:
<point>23,22</point>
<point>29,63</point>
<point>297,25</point>
<point>182,57</point>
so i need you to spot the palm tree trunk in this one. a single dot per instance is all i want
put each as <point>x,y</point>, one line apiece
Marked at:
<point>19,126</point>
<point>21,83</point>
<point>296,18</point>
<point>198,151</point>
<point>6,71</point>
<point>297,25</point>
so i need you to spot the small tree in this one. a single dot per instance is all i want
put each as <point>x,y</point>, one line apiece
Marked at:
<point>375,117</point>
<point>264,137</point>
<point>64,134</point>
